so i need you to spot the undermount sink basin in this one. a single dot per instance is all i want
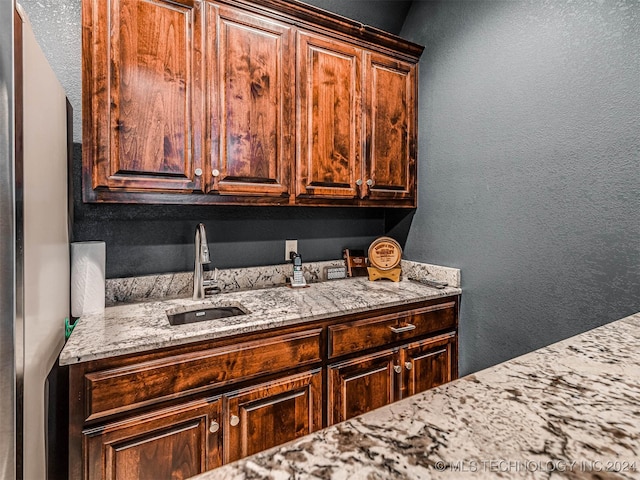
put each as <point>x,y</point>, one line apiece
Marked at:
<point>202,313</point>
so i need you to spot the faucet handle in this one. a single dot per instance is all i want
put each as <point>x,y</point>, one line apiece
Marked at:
<point>211,287</point>
<point>213,282</point>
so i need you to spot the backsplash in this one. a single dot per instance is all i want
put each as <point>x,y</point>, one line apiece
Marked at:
<point>175,285</point>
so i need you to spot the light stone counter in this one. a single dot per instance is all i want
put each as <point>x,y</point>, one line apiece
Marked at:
<point>569,410</point>
<point>138,327</point>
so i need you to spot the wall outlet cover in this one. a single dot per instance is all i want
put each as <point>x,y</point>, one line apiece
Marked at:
<point>290,246</point>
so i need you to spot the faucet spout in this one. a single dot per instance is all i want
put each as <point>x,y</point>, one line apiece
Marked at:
<point>201,257</point>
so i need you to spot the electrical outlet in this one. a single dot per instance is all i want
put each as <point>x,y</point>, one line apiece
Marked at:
<point>290,246</point>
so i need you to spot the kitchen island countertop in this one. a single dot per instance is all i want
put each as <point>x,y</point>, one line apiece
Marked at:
<point>569,410</point>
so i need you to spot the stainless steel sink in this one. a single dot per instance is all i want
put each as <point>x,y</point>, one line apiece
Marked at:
<point>182,316</point>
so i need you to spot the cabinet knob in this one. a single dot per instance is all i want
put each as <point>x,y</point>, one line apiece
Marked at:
<point>215,172</point>
<point>234,420</point>
<point>359,182</point>
<point>370,182</point>
<point>214,427</point>
<point>408,365</point>
<point>198,172</point>
<point>397,368</point>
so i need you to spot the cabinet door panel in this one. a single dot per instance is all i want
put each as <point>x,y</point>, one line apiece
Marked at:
<point>360,385</point>
<point>142,130</point>
<point>171,443</point>
<point>253,149</point>
<point>390,128</point>
<point>431,364</point>
<point>330,102</point>
<point>273,413</point>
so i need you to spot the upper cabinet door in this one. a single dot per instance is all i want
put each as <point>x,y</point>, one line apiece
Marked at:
<point>390,128</point>
<point>142,124</point>
<point>329,102</point>
<point>250,62</point>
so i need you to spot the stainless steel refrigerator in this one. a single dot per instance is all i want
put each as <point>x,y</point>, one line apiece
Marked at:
<point>34,242</point>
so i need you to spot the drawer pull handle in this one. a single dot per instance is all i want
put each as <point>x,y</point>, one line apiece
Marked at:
<point>397,368</point>
<point>214,427</point>
<point>234,420</point>
<point>406,328</point>
<point>408,365</point>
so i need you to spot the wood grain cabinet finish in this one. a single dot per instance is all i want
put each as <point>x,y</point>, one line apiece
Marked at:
<point>252,114</point>
<point>329,99</point>
<point>166,444</point>
<point>382,330</point>
<point>361,385</point>
<point>365,383</point>
<point>265,102</point>
<point>187,373</point>
<point>428,363</point>
<point>272,413</point>
<point>142,119</point>
<point>390,128</point>
<point>178,411</point>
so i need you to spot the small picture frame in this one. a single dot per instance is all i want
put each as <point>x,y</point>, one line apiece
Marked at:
<point>355,261</point>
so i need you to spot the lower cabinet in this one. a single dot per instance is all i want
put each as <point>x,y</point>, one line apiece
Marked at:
<point>176,412</point>
<point>198,436</point>
<point>365,383</point>
<point>428,364</point>
<point>170,443</point>
<point>360,385</point>
<point>272,413</point>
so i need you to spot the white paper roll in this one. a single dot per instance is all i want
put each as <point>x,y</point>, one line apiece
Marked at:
<point>87,278</point>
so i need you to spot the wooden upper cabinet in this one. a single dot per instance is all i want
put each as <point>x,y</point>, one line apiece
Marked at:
<point>390,128</point>
<point>329,103</point>
<point>250,61</point>
<point>142,89</point>
<point>250,102</point>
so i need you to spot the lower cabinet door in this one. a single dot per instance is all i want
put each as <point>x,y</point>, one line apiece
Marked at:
<point>428,363</point>
<point>362,384</point>
<point>272,413</point>
<point>171,443</point>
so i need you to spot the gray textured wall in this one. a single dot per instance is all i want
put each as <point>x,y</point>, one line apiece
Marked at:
<point>530,165</point>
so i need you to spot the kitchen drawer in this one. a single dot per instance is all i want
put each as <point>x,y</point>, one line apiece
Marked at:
<point>386,329</point>
<point>118,389</point>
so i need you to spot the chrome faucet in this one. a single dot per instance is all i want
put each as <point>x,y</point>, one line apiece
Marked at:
<point>202,257</point>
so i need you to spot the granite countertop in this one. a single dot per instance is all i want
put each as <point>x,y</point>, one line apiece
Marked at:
<point>138,327</point>
<point>569,410</point>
